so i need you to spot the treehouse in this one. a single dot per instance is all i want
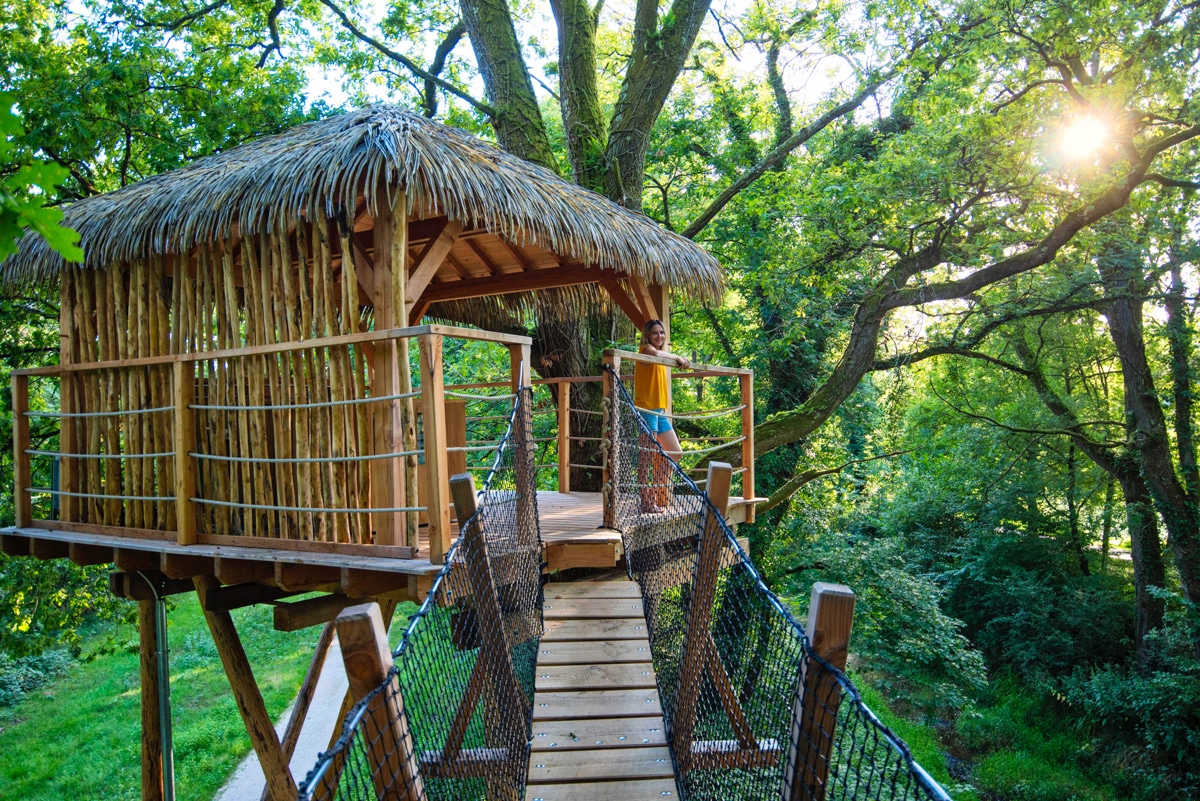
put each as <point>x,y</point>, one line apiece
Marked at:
<point>239,411</point>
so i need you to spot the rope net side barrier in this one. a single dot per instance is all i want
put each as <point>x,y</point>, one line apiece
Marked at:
<point>752,711</point>
<point>453,718</point>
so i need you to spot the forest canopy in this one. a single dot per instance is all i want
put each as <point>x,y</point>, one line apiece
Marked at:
<point>960,246</point>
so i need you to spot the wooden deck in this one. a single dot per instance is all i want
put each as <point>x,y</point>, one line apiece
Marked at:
<point>598,731</point>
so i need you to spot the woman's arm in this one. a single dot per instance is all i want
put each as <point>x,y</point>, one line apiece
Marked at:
<point>650,350</point>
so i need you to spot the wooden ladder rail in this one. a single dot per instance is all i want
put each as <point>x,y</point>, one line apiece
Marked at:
<point>700,653</point>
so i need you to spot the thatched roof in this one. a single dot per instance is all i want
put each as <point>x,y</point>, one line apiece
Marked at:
<point>324,166</point>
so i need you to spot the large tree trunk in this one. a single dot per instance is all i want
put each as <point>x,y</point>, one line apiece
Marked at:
<point>1145,414</point>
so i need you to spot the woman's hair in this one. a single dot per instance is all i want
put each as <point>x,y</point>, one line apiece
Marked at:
<point>648,327</point>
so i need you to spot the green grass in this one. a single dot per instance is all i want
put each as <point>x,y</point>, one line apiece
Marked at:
<point>1022,749</point>
<point>78,737</point>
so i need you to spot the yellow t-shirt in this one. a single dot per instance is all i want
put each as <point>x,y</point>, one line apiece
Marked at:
<point>651,389</point>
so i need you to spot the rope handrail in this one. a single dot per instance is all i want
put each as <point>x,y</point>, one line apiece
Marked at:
<point>304,459</point>
<point>62,455</point>
<point>119,413</point>
<point>264,507</point>
<point>271,407</point>
<point>470,396</point>
<point>692,415</point>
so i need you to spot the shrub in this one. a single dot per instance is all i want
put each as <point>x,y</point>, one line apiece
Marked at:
<point>24,674</point>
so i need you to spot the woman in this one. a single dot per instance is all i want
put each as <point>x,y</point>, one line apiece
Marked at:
<point>652,397</point>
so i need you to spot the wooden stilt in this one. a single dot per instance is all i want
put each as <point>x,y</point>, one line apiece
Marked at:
<point>152,776</point>
<point>248,698</point>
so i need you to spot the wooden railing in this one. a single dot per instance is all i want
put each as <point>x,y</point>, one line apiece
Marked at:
<point>697,446</point>
<point>304,444</point>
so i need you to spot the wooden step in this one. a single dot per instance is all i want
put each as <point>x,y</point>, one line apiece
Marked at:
<point>623,629</point>
<point>622,676</point>
<point>592,589</point>
<point>576,735</point>
<point>588,608</point>
<point>599,766</point>
<point>580,705</point>
<point>644,790</point>
<point>591,652</point>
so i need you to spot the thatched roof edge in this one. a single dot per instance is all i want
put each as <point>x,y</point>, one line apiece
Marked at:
<point>320,168</point>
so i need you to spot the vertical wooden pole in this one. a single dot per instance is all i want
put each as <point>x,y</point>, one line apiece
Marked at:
<point>564,436</point>
<point>391,750</point>
<point>456,436</point>
<point>387,475</point>
<point>247,697</point>
<point>524,467</point>
<point>818,695</point>
<point>184,391</point>
<point>699,614</point>
<point>22,474</point>
<point>437,475</point>
<point>68,472</point>
<point>747,386</point>
<point>609,434</point>
<point>152,775</point>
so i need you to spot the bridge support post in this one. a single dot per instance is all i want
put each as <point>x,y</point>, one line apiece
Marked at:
<point>152,743</point>
<point>609,436</point>
<point>818,694</point>
<point>391,753</point>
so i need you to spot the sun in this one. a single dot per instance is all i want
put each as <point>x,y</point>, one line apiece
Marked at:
<point>1084,137</point>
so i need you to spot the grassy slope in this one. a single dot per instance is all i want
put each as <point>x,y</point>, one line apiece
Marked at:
<point>78,737</point>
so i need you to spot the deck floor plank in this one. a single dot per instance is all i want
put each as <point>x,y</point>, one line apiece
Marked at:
<point>621,629</point>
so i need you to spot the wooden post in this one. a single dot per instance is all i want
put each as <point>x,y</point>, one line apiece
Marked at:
<point>388,487</point>
<point>818,695</point>
<point>699,615</point>
<point>456,436</point>
<point>494,667</point>
<point>747,386</point>
<point>68,401</point>
<point>564,436</point>
<point>524,469</point>
<point>437,476</point>
<point>22,474</point>
<point>184,390</point>
<point>152,751</point>
<point>247,697</point>
<point>609,435</point>
<point>391,750</point>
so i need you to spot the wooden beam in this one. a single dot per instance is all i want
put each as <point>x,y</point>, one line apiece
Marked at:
<point>12,545</point>
<point>236,596</point>
<point>517,282</point>
<point>641,295</point>
<point>130,560</point>
<point>309,612</point>
<point>516,252</point>
<point>183,566</point>
<point>305,578</point>
<point>152,767</point>
<point>660,297</point>
<point>48,549</point>
<point>429,261</point>
<point>392,753</point>
<point>240,571</point>
<point>248,698</point>
<point>482,255</point>
<point>626,303</point>
<point>564,436</point>
<point>135,587</point>
<point>818,694</point>
<point>371,583</point>
<point>86,555</point>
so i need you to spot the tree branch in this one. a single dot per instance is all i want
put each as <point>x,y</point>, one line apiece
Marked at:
<point>797,481</point>
<point>405,61</point>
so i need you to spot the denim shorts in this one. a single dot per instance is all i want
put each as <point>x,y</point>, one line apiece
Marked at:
<point>657,423</point>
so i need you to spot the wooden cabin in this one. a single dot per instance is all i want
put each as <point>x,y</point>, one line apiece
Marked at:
<point>253,397</point>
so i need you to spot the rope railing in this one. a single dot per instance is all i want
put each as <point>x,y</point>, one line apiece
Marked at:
<point>452,717</point>
<point>753,709</point>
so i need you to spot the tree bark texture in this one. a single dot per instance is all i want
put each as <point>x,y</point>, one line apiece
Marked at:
<point>579,95</point>
<point>1149,432</point>
<point>518,120</point>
